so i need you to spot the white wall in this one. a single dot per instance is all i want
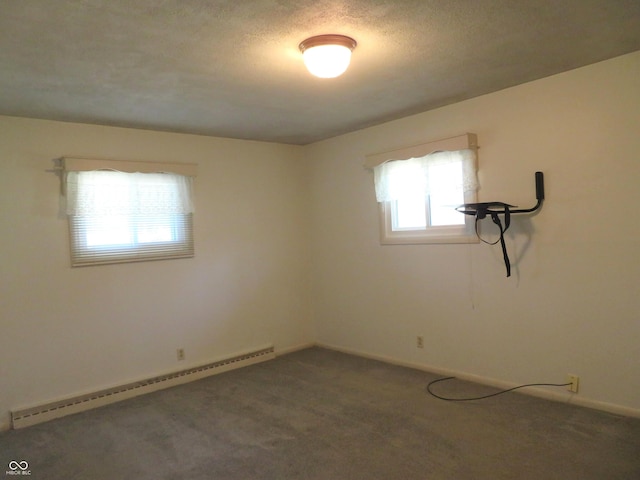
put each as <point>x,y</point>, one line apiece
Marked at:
<point>66,331</point>
<point>572,304</point>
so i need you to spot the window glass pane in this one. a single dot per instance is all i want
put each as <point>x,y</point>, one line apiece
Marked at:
<point>409,213</point>
<point>102,231</point>
<point>442,209</point>
<point>444,197</point>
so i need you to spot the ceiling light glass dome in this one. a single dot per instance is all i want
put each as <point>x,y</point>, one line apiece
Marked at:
<point>327,56</point>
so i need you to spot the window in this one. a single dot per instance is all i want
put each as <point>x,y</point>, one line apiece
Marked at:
<point>418,195</point>
<point>118,216</point>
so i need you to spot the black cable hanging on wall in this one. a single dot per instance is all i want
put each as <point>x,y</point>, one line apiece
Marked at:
<point>495,209</point>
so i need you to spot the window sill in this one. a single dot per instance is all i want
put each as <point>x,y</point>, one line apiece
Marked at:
<point>404,238</point>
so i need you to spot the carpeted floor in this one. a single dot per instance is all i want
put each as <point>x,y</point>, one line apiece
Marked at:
<point>319,414</point>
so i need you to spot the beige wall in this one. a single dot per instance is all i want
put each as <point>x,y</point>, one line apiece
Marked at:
<point>65,331</point>
<point>287,252</point>
<point>572,304</point>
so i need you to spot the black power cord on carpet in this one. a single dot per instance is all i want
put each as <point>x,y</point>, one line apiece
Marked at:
<point>493,394</point>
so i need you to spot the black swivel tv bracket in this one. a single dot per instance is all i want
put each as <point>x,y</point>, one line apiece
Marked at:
<point>495,209</point>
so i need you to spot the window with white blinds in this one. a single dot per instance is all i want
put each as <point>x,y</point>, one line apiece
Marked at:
<point>120,216</point>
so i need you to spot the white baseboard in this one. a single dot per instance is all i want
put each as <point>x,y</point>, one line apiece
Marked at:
<point>295,348</point>
<point>563,397</point>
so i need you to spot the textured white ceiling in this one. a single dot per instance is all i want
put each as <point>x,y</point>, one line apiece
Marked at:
<point>232,68</point>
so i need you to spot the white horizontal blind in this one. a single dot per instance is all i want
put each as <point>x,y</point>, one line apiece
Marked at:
<point>117,217</point>
<point>130,239</point>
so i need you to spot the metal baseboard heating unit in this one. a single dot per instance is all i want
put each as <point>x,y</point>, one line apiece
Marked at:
<point>43,413</point>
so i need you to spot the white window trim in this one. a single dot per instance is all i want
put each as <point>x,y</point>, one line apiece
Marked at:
<point>457,234</point>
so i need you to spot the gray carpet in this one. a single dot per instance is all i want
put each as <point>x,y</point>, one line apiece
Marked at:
<point>319,414</point>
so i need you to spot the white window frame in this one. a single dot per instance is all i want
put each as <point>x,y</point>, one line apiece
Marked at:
<point>453,234</point>
<point>180,246</point>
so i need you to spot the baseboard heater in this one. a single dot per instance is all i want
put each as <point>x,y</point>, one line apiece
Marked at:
<point>42,413</point>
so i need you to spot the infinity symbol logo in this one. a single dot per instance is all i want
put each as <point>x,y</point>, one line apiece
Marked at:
<point>23,465</point>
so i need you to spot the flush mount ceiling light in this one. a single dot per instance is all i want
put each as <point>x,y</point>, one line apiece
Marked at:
<point>327,56</point>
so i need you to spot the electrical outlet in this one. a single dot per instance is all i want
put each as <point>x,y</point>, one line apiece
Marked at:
<point>572,380</point>
<point>180,353</point>
<point>420,341</point>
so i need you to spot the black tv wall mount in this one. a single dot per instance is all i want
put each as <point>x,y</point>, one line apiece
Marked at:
<point>495,209</point>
